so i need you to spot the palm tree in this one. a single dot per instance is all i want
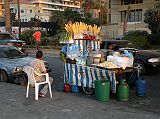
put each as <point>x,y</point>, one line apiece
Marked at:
<point>90,5</point>
<point>7,16</point>
<point>104,12</point>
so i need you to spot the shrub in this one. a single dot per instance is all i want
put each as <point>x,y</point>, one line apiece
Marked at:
<point>27,36</point>
<point>154,39</point>
<point>139,39</point>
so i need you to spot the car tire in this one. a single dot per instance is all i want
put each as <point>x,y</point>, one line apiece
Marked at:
<point>141,66</point>
<point>23,81</point>
<point>3,76</point>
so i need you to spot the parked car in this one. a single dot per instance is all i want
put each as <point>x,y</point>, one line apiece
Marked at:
<point>12,61</point>
<point>146,60</point>
<point>140,32</point>
<point>8,39</point>
<point>120,43</point>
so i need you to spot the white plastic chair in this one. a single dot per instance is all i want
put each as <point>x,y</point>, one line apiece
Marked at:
<point>31,80</point>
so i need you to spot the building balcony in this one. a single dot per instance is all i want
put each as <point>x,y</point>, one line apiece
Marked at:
<point>52,9</point>
<point>55,3</point>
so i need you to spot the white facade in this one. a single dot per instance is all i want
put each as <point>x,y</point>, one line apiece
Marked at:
<point>47,6</point>
<point>27,11</point>
<point>135,20</point>
<point>40,9</point>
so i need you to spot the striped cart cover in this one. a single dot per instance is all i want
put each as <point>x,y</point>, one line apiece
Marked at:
<point>83,44</point>
<point>84,75</point>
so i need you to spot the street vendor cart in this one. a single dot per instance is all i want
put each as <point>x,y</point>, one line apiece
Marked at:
<point>84,62</point>
<point>80,53</point>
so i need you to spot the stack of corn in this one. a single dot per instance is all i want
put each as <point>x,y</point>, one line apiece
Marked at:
<point>80,28</point>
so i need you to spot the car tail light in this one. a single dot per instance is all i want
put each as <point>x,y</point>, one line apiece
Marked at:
<point>18,44</point>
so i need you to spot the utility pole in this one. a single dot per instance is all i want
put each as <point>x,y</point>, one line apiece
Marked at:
<point>19,19</point>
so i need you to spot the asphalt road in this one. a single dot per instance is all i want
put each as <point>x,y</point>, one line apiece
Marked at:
<point>14,105</point>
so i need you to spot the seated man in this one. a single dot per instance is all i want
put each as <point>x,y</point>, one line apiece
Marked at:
<point>39,67</point>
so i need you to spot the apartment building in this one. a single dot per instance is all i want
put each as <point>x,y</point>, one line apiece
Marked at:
<point>134,9</point>
<point>47,6</point>
<point>40,9</point>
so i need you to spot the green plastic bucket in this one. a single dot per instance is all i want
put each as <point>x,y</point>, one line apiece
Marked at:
<point>102,90</point>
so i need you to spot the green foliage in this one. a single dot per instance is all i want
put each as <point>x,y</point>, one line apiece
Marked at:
<point>62,17</point>
<point>44,41</point>
<point>64,37</point>
<point>26,35</point>
<point>154,39</point>
<point>56,39</point>
<point>58,17</point>
<point>152,18</point>
<point>71,15</point>
<point>59,38</point>
<point>91,4</point>
<point>139,39</point>
<point>90,21</point>
<point>63,57</point>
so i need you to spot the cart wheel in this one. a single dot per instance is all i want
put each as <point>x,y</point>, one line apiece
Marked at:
<point>88,90</point>
<point>3,76</point>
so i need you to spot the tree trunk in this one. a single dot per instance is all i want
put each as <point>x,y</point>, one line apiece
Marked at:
<point>7,16</point>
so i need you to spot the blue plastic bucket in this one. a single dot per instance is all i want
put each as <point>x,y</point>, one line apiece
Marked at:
<point>75,89</point>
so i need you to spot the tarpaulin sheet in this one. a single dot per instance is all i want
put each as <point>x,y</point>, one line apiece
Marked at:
<point>84,75</point>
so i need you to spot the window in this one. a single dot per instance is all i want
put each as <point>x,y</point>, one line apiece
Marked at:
<point>11,52</point>
<point>133,16</point>
<point>109,18</point>
<point>5,36</point>
<point>39,11</point>
<point>22,11</point>
<point>127,2</point>
<point>15,10</point>
<point>109,4</point>
<point>2,55</point>
<point>30,11</point>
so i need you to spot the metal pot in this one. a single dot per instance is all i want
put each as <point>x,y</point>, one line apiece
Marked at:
<point>95,57</point>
